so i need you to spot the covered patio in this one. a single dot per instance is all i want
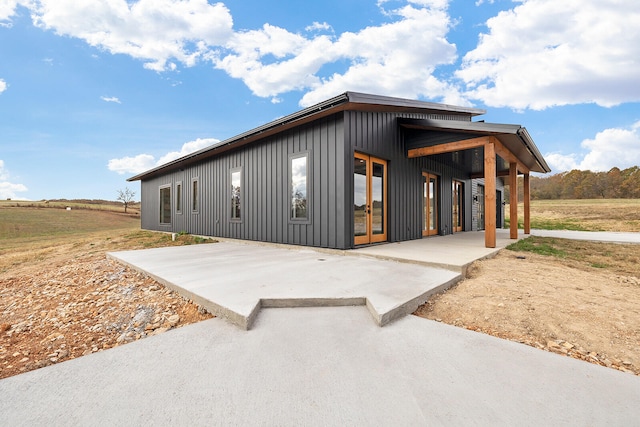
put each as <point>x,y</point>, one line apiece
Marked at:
<point>483,150</point>
<point>453,252</point>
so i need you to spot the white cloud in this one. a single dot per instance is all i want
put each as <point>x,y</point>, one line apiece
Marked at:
<point>318,26</point>
<point>397,57</point>
<point>3,85</point>
<point>137,164</point>
<point>144,162</point>
<point>155,31</point>
<point>8,189</point>
<point>545,53</point>
<point>383,62</point>
<point>7,10</point>
<point>188,148</point>
<point>379,59</point>
<point>612,147</point>
<point>111,99</point>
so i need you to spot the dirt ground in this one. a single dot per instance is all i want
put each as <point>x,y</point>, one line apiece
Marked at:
<point>66,301</point>
<point>563,306</point>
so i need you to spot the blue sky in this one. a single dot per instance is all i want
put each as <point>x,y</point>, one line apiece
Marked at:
<point>95,91</point>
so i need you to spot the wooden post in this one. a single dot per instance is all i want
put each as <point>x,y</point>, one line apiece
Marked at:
<point>513,200</point>
<point>527,205</point>
<point>490,195</point>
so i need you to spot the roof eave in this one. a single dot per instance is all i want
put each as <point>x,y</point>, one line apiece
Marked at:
<point>345,101</point>
<point>495,129</point>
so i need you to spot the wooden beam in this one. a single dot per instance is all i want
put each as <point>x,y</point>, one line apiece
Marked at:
<point>481,174</point>
<point>449,147</point>
<point>527,204</point>
<point>490,195</point>
<point>513,200</point>
<point>508,156</point>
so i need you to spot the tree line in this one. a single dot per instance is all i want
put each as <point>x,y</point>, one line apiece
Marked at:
<point>579,184</point>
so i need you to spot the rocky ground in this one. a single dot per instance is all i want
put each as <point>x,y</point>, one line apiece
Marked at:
<point>81,306</point>
<point>563,306</point>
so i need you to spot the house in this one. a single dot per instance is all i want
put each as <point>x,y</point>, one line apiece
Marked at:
<point>353,170</point>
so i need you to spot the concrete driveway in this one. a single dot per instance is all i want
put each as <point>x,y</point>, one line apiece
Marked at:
<point>319,366</point>
<point>326,366</point>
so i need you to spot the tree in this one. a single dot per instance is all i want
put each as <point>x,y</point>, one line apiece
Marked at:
<point>126,197</point>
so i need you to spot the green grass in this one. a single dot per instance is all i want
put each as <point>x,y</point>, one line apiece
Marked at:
<point>540,246</point>
<point>582,215</point>
<point>619,258</point>
<point>553,224</point>
<point>24,222</point>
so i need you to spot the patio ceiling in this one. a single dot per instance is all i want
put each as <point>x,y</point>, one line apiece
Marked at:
<point>421,133</point>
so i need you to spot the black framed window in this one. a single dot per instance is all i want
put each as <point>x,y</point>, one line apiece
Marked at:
<point>299,174</point>
<point>165,204</point>
<point>236,194</point>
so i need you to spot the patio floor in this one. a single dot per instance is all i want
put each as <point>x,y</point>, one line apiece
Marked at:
<point>235,279</point>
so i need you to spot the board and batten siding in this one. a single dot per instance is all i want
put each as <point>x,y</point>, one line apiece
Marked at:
<point>378,134</point>
<point>265,190</point>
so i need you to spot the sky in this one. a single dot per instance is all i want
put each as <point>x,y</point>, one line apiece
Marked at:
<point>93,92</point>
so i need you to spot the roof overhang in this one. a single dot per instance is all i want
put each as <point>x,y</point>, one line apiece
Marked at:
<point>348,101</point>
<point>514,138</point>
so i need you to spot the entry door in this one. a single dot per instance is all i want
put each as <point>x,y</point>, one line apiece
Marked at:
<point>458,202</point>
<point>369,199</point>
<point>429,204</point>
<point>480,207</point>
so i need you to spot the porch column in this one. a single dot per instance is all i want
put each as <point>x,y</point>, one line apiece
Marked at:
<point>527,205</point>
<point>513,200</point>
<point>490,195</point>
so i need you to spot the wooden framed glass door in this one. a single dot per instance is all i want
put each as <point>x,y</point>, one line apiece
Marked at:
<point>429,204</point>
<point>369,199</point>
<point>457,204</point>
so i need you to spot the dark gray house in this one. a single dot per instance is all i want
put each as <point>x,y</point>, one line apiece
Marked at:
<point>353,170</point>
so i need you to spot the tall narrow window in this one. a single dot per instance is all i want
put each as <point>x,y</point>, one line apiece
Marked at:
<point>195,196</point>
<point>179,197</point>
<point>165,205</point>
<point>299,187</point>
<point>429,204</point>
<point>457,206</point>
<point>236,191</point>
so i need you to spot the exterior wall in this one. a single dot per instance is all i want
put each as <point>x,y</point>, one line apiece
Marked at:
<point>265,191</point>
<point>378,134</point>
<point>475,206</point>
<point>330,143</point>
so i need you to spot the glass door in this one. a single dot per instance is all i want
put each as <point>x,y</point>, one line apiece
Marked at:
<point>369,199</point>
<point>429,204</point>
<point>457,199</point>
<point>480,197</point>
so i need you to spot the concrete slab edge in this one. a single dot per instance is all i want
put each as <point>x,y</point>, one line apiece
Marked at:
<point>412,305</point>
<point>463,269</point>
<point>442,266</point>
<point>311,302</point>
<point>244,322</point>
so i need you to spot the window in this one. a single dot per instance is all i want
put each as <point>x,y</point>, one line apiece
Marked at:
<point>299,173</point>
<point>165,205</point>
<point>236,192</point>
<point>179,197</point>
<point>194,195</point>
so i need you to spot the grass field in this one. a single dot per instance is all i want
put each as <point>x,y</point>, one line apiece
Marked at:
<point>31,234</point>
<point>582,215</point>
<point>99,205</point>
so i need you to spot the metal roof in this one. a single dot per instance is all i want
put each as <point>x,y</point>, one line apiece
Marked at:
<point>348,101</point>
<point>515,137</point>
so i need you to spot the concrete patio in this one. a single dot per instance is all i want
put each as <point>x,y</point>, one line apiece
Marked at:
<point>234,279</point>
